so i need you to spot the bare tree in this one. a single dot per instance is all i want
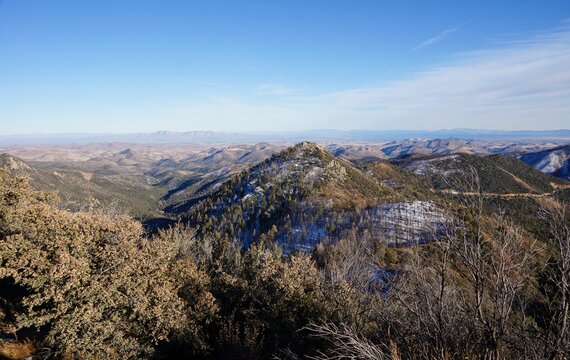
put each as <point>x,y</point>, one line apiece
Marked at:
<point>507,276</point>
<point>558,333</point>
<point>425,305</point>
<point>493,257</point>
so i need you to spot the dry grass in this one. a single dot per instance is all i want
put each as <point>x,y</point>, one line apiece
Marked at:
<point>17,350</point>
<point>560,186</point>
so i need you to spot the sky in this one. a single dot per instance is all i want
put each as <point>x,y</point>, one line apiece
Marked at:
<point>123,66</point>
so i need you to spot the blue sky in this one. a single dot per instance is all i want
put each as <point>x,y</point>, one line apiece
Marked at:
<point>141,66</point>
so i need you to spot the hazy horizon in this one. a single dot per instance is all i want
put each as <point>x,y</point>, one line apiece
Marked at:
<point>282,137</point>
<point>490,130</point>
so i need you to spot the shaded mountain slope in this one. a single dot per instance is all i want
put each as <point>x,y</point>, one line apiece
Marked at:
<point>190,179</point>
<point>555,162</point>
<point>404,182</point>
<point>497,174</point>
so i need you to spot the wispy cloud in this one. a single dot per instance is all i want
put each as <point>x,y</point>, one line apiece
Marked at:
<point>522,83</point>
<point>434,40</point>
<point>274,89</point>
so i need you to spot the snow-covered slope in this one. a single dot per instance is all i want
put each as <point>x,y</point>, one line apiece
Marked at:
<point>555,161</point>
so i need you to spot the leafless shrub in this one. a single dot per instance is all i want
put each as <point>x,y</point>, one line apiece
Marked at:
<point>351,271</point>
<point>345,343</point>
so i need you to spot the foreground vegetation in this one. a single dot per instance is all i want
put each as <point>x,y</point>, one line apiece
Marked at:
<point>93,285</point>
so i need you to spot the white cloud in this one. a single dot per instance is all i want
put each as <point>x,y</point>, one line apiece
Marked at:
<point>526,83</point>
<point>442,35</point>
<point>520,84</point>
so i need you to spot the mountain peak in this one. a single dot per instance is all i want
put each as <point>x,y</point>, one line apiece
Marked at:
<point>12,163</point>
<point>307,146</point>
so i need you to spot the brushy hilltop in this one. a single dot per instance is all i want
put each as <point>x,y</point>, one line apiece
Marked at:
<point>310,196</point>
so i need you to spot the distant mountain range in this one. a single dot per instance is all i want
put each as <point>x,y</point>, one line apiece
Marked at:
<point>211,137</point>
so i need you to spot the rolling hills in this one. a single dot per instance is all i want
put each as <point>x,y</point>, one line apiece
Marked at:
<point>307,191</point>
<point>134,194</point>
